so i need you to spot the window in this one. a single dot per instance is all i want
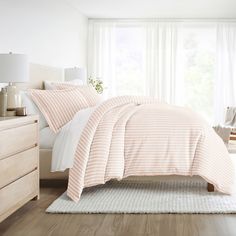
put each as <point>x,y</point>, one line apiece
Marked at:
<point>130,56</point>
<point>199,51</point>
<point>173,61</point>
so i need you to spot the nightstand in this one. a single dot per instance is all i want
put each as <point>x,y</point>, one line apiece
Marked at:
<point>19,163</point>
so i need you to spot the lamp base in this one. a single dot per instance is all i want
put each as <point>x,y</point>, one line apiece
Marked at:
<point>13,97</point>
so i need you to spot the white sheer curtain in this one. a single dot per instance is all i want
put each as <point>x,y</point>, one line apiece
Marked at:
<point>162,64</point>
<point>160,61</point>
<point>101,53</point>
<point>225,85</point>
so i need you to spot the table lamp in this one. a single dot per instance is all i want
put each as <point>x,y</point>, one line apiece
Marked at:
<point>75,73</point>
<point>14,68</point>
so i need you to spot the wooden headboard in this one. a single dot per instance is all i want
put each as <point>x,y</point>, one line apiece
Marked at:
<point>40,73</point>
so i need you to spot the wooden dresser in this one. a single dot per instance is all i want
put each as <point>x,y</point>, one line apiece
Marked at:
<point>19,163</point>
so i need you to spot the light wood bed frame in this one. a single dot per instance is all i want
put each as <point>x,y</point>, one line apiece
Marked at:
<point>38,74</point>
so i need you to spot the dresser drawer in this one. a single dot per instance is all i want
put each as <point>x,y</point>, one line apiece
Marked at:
<point>18,193</point>
<point>14,167</point>
<point>18,139</point>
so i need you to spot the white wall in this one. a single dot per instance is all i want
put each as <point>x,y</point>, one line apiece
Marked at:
<point>51,32</point>
<point>156,8</point>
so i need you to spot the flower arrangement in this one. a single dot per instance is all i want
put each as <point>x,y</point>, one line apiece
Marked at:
<point>97,84</point>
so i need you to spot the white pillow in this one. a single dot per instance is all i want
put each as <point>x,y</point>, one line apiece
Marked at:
<point>49,85</point>
<point>31,108</point>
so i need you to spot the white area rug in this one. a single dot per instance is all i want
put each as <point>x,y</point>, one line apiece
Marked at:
<point>181,196</point>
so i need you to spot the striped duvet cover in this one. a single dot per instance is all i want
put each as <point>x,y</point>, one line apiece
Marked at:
<point>135,136</point>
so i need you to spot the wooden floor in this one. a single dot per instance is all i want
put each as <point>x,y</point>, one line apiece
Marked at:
<point>31,220</point>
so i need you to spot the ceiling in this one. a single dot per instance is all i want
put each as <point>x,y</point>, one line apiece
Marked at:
<point>156,8</point>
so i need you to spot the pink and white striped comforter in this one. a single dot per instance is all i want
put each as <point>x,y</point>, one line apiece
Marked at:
<point>127,136</point>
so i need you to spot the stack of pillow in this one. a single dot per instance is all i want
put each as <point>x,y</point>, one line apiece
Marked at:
<point>59,102</point>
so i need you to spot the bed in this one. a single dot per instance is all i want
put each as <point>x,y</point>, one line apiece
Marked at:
<point>122,137</point>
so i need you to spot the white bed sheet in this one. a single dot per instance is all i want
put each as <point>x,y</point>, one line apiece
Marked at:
<point>46,138</point>
<point>67,139</point>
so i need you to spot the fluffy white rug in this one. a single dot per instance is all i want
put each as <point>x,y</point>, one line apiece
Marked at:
<point>181,196</point>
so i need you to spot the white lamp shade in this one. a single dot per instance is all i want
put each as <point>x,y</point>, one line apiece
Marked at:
<point>14,68</point>
<point>75,74</point>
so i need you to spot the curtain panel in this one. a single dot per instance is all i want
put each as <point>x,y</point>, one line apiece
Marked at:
<point>225,85</point>
<point>162,62</point>
<point>101,54</point>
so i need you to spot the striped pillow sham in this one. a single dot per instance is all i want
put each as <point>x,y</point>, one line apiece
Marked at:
<point>89,93</point>
<point>58,106</point>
